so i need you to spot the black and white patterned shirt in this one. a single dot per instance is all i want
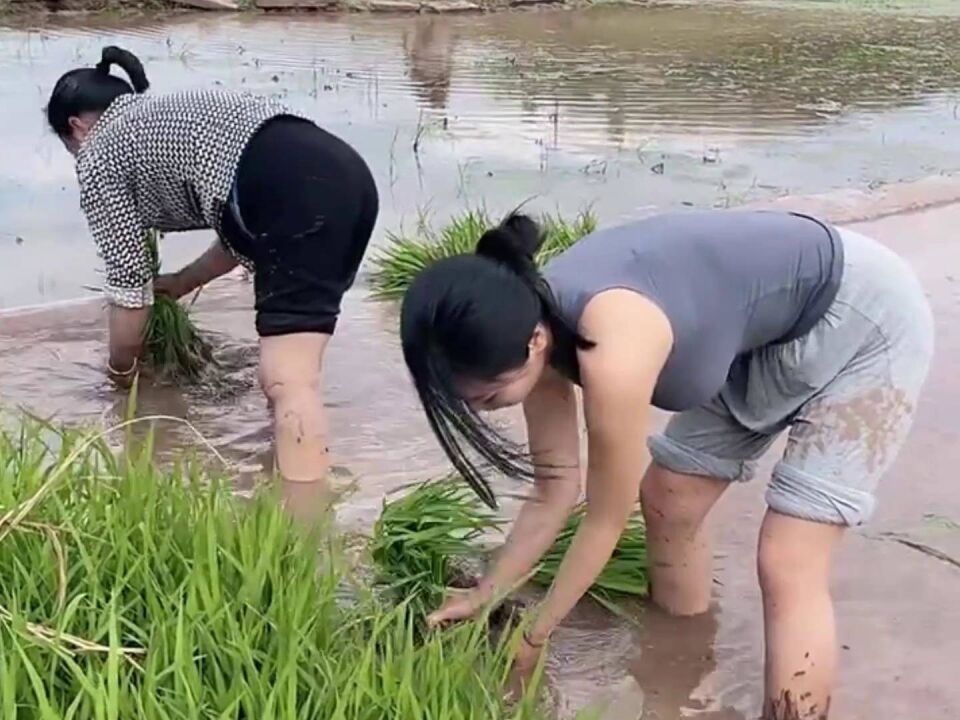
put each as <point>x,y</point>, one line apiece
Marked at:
<point>164,162</point>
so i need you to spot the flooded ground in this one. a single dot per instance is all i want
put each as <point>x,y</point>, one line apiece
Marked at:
<point>624,109</point>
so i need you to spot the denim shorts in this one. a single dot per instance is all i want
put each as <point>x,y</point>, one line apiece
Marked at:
<point>846,391</point>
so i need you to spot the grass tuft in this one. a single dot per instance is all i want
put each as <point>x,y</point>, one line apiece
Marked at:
<point>176,350</point>
<point>405,256</point>
<point>165,596</point>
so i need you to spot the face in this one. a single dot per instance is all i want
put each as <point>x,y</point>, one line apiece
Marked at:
<point>512,387</point>
<point>79,129</point>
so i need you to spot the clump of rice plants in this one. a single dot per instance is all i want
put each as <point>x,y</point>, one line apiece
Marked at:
<point>174,347</point>
<point>130,591</point>
<point>625,574</point>
<point>406,255</point>
<point>420,538</point>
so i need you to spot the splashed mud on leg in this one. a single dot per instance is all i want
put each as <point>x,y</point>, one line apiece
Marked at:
<point>787,707</point>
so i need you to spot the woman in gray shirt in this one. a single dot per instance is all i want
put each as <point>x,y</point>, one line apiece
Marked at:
<point>745,325</point>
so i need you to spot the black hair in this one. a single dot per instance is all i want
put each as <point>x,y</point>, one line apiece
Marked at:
<point>472,316</point>
<point>93,89</point>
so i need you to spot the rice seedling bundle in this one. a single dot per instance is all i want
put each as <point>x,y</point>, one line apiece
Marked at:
<point>407,255</point>
<point>127,591</point>
<point>420,538</point>
<point>175,347</point>
<point>420,535</point>
<point>625,574</point>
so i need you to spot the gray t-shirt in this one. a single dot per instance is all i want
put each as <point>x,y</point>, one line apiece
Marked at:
<point>729,282</point>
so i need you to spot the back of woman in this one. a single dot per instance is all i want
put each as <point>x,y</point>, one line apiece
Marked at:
<point>729,283</point>
<point>292,202</point>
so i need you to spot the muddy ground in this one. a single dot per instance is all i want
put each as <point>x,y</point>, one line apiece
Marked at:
<point>896,581</point>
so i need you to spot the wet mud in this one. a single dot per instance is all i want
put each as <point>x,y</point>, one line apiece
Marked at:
<point>628,110</point>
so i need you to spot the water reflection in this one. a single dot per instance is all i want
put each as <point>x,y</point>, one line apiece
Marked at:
<point>429,50</point>
<point>622,109</point>
<point>675,676</point>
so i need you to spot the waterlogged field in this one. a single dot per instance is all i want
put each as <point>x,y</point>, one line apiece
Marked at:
<point>125,578</point>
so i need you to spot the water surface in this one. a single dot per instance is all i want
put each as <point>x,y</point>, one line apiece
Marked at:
<point>621,109</point>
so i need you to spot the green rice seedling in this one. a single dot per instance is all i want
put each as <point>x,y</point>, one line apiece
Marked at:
<point>420,537</point>
<point>406,255</point>
<point>175,348</point>
<point>131,591</point>
<point>626,573</point>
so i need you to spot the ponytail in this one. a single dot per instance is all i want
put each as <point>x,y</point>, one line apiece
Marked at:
<point>515,243</point>
<point>86,90</point>
<point>128,62</point>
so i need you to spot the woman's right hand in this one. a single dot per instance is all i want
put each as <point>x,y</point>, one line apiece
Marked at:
<point>462,606</point>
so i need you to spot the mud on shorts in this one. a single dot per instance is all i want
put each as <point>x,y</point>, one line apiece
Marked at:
<point>847,392</point>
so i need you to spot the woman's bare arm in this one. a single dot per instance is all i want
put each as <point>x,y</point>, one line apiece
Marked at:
<point>125,327</point>
<point>554,436</point>
<point>633,342</point>
<point>216,261</point>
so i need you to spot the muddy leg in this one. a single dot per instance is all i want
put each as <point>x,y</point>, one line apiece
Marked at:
<point>290,375</point>
<point>794,560</point>
<point>674,508</point>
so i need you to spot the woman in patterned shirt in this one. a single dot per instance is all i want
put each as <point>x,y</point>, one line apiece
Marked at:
<point>288,200</point>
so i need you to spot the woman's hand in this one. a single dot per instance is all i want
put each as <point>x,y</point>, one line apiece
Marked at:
<point>216,261</point>
<point>462,606</point>
<point>524,666</point>
<point>172,285</point>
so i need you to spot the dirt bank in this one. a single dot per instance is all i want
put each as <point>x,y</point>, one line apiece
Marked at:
<point>854,205</point>
<point>51,7</point>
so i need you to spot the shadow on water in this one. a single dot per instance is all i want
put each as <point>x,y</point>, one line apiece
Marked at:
<point>624,109</point>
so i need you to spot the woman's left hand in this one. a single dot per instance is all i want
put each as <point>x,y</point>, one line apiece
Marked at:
<point>524,666</point>
<point>171,284</point>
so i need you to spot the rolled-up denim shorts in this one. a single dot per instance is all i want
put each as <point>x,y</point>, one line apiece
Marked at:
<point>846,392</point>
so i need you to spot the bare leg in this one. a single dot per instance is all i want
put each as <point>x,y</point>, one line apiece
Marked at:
<point>290,375</point>
<point>794,560</point>
<point>675,507</point>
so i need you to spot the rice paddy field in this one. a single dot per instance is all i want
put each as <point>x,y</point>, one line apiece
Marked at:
<point>148,572</point>
<point>127,590</point>
<point>132,589</point>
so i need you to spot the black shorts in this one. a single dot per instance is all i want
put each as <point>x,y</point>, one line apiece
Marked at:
<point>303,208</point>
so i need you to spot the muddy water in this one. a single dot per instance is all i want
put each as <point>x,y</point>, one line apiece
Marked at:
<point>622,109</point>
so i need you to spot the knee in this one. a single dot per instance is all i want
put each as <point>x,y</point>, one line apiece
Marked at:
<point>668,503</point>
<point>283,387</point>
<point>788,571</point>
